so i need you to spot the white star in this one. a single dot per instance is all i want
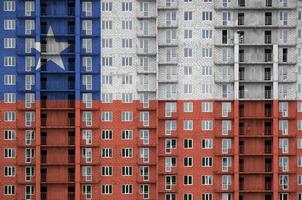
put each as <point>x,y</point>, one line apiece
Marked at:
<point>53,50</point>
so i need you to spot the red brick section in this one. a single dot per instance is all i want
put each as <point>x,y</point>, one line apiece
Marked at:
<point>254,145</point>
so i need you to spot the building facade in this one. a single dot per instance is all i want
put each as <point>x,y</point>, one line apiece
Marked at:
<point>151,99</point>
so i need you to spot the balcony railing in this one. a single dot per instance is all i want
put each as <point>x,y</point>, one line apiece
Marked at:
<point>43,195</point>
<point>71,158</point>
<point>71,195</point>
<point>71,177</point>
<point>267,94</point>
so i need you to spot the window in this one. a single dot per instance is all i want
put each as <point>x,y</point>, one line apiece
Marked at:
<point>188,70</point>
<point>206,180</point>
<point>9,97</point>
<point>188,180</point>
<point>207,107</point>
<point>9,6</point>
<point>188,88</point>
<point>284,181</point>
<point>87,99</point>
<point>9,153</point>
<point>106,189</point>
<point>188,34</point>
<point>206,16</point>
<point>29,8</point>
<point>107,25</point>
<point>127,153</point>
<point>284,17</point>
<point>127,6</point>
<point>106,6</point>
<point>170,107</point>
<point>10,116</point>
<point>9,79</point>
<point>87,45</point>
<point>29,118</point>
<point>106,43</point>
<point>106,62</point>
<point>87,27</point>
<point>144,136</point>
<point>127,97</point>
<point>188,161</point>
<point>106,171</point>
<point>126,79</point>
<point>9,43</point>
<point>144,172</point>
<point>87,173</point>
<point>206,125</point>
<point>299,143</point>
<point>226,182</point>
<point>169,163</point>
<point>29,44</point>
<point>127,24</point>
<point>299,162</point>
<point>299,179</point>
<point>188,15</point>
<point>299,125</point>
<point>188,52</point>
<point>144,154</point>
<point>126,171</point>
<point>188,106</point>
<point>207,196</point>
<point>206,161</point>
<point>87,136</point>
<point>170,144</point>
<point>106,116</point>
<point>126,43</point>
<point>188,143</point>
<point>206,52</point>
<point>226,145</point>
<point>87,8</point>
<point>86,190</point>
<point>107,97</point>
<point>127,134</point>
<point>206,70</point>
<point>106,134</point>
<point>9,190</point>
<point>207,143</point>
<point>9,171</point>
<point>226,163</point>
<point>126,189</point>
<point>107,80</point>
<point>29,63</point>
<point>9,24</point>
<point>106,153</point>
<point>9,135</point>
<point>126,116</point>
<point>206,34</point>
<point>29,192</point>
<point>188,196</point>
<point>9,61</point>
<point>29,137</point>
<point>126,61</point>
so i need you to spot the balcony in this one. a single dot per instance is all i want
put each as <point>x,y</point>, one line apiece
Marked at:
<point>71,177</point>
<point>71,159</point>
<point>69,12</point>
<point>71,195</point>
<point>268,94</point>
<point>43,195</point>
<point>167,5</point>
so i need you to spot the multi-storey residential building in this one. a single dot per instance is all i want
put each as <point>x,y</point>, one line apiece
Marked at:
<point>146,99</point>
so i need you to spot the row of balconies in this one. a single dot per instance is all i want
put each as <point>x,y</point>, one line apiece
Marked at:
<point>261,78</point>
<point>256,4</point>
<point>251,38</point>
